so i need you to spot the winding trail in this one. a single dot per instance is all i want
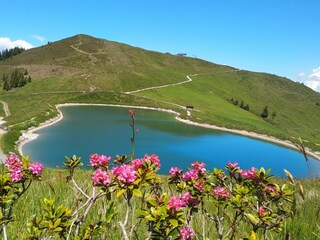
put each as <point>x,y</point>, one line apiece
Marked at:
<point>76,47</point>
<point>163,86</point>
<point>175,84</point>
<point>6,109</point>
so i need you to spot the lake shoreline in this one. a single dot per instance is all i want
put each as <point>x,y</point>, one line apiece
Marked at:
<point>30,134</point>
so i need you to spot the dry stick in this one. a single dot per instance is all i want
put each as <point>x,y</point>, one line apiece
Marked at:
<point>78,188</point>
<point>4,229</point>
<point>123,225</point>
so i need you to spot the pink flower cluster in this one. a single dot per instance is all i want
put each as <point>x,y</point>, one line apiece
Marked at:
<point>153,159</point>
<point>137,163</point>
<point>186,233</point>
<point>125,173</point>
<point>221,192</point>
<point>200,167</point>
<point>261,211</point>
<point>197,170</point>
<point>248,174</point>
<point>35,168</point>
<point>101,177</point>
<point>175,203</point>
<point>232,165</point>
<point>175,171</point>
<point>15,167</point>
<point>188,200</point>
<point>99,160</point>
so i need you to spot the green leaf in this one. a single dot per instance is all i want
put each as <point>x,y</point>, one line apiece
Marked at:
<point>137,192</point>
<point>174,222</point>
<point>110,213</point>
<point>153,202</point>
<point>252,218</point>
<point>253,236</point>
<point>59,229</point>
<point>57,223</point>
<point>119,193</point>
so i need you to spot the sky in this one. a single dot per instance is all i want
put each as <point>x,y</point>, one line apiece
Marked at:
<point>281,37</point>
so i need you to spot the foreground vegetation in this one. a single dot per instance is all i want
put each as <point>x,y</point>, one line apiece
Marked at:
<point>55,185</point>
<point>90,70</point>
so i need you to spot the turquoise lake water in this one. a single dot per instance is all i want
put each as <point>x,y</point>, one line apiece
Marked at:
<point>105,130</point>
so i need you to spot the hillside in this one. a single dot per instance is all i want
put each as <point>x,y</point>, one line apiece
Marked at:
<point>86,69</point>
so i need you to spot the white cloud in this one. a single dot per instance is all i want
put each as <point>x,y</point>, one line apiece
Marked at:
<point>39,38</point>
<point>7,43</point>
<point>313,80</point>
<point>301,77</point>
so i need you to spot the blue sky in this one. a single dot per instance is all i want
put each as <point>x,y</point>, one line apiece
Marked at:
<point>275,36</point>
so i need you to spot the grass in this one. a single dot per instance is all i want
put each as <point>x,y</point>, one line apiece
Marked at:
<point>302,226</point>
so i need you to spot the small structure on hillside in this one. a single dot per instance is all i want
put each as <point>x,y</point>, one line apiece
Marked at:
<point>182,54</point>
<point>189,107</point>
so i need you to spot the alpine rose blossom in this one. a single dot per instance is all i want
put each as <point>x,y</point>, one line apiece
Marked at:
<point>188,200</point>
<point>221,192</point>
<point>99,160</point>
<point>175,171</point>
<point>232,165</point>
<point>199,166</point>
<point>100,177</point>
<point>35,168</point>
<point>175,203</point>
<point>16,175</point>
<point>13,163</point>
<point>261,211</point>
<point>192,174</point>
<point>125,173</point>
<point>137,163</point>
<point>200,185</point>
<point>248,174</point>
<point>153,159</point>
<point>186,233</point>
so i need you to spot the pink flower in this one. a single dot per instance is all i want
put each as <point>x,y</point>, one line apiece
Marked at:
<point>199,166</point>
<point>153,159</point>
<point>271,189</point>
<point>16,175</point>
<point>125,173</point>
<point>221,192</point>
<point>175,203</point>
<point>200,185</point>
<point>232,165</point>
<point>131,113</point>
<point>35,168</point>
<point>188,200</point>
<point>192,174</point>
<point>186,233</point>
<point>175,171</point>
<point>100,177</point>
<point>137,163</point>
<point>261,211</point>
<point>248,174</point>
<point>12,162</point>
<point>97,160</point>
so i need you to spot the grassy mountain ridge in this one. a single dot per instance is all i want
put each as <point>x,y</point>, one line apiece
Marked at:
<point>86,69</point>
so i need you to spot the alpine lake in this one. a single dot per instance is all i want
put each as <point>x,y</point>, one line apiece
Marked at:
<point>105,130</point>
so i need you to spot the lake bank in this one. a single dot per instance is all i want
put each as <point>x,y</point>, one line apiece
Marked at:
<point>30,135</point>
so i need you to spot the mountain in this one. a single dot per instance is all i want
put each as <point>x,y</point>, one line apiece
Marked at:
<point>86,69</point>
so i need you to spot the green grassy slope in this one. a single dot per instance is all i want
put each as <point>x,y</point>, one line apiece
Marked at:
<point>295,105</point>
<point>86,69</point>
